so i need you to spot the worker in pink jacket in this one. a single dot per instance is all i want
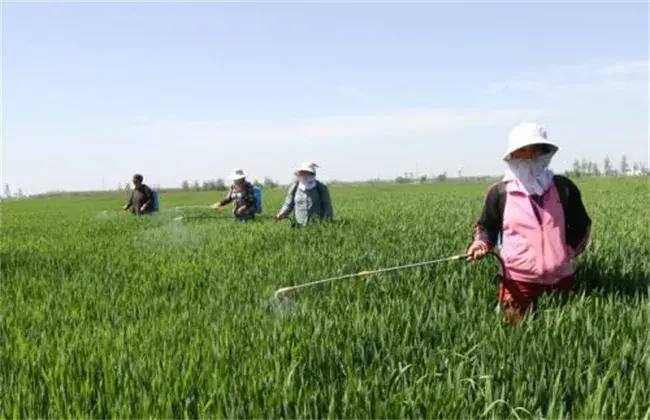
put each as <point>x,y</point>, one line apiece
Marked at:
<point>537,217</point>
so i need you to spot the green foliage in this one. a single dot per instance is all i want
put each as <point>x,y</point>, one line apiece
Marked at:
<point>106,315</point>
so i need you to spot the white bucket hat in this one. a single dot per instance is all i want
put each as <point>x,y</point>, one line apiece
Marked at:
<point>526,134</point>
<point>237,174</point>
<point>307,167</point>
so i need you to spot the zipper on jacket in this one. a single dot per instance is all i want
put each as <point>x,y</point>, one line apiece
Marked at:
<point>537,207</point>
<point>541,226</point>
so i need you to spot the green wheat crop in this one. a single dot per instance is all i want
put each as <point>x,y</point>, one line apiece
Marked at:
<point>106,315</point>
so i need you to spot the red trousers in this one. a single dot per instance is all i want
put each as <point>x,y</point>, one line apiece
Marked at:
<point>519,296</point>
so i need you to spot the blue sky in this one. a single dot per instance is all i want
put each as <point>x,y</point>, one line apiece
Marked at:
<point>94,92</point>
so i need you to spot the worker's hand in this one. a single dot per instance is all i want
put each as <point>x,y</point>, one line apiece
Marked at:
<point>217,206</point>
<point>477,250</point>
<point>279,217</point>
<point>241,210</point>
<point>143,208</point>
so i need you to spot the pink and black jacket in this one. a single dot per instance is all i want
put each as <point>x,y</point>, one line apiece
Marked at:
<point>540,235</point>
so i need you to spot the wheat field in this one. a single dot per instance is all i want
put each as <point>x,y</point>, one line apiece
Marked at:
<point>106,315</point>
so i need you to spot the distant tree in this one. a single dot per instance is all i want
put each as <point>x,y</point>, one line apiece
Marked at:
<point>185,186</point>
<point>640,168</point>
<point>196,186</point>
<point>442,177</point>
<point>269,183</point>
<point>607,167</point>
<point>7,191</point>
<point>576,169</point>
<point>595,169</point>
<point>127,187</point>
<point>644,170</point>
<point>20,193</point>
<point>624,166</point>
<point>423,179</point>
<point>402,180</point>
<point>220,185</point>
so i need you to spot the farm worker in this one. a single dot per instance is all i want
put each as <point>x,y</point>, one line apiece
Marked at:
<point>242,193</point>
<point>307,197</point>
<point>539,219</point>
<point>141,198</point>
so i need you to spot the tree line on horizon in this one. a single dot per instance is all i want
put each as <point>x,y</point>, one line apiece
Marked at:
<point>579,168</point>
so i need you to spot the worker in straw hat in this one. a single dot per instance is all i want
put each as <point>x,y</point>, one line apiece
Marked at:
<point>307,197</point>
<point>537,217</point>
<point>241,192</point>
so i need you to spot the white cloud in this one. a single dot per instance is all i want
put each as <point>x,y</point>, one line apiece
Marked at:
<point>205,149</point>
<point>628,77</point>
<point>550,89</point>
<point>630,67</point>
<point>347,128</point>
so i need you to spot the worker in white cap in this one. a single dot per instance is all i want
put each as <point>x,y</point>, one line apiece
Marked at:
<point>242,193</point>
<point>307,197</point>
<point>536,218</point>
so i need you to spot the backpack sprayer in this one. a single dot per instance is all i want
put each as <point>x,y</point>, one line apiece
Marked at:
<point>283,290</point>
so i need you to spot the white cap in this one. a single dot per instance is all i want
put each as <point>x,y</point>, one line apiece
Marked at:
<point>307,167</point>
<point>525,134</point>
<point>237,174</point>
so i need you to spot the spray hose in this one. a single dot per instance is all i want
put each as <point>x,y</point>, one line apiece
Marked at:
<point>283,290</point>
